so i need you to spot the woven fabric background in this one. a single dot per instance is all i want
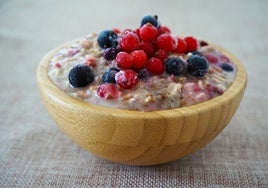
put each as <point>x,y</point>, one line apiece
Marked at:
<point>35,153</point>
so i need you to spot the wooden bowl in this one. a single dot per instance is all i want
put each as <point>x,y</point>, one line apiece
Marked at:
<point>140,138</point>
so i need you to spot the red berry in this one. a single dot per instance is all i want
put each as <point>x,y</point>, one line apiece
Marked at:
<point>155,66</point>
<point>148,48</point>
<point>148,32</point>
<point>163,29</point>
<point>211,58</point>
<point>116,30</point>
<point>181,47</point>
<point>191,43</point>
<point>108,91</point>
<point>129,41</point>
<point>139,59</point>
<point>167,42</point>
<point>124,60</point>
<point>126,79</point>
<point>161,54</point>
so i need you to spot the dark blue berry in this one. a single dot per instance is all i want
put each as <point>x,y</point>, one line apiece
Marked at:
<point>196,53</point>
<point>110,53</point>
<point>174,66</point>
<point>197,65</point>
<point>150,19</point>
<point>109,75</point>
<point>81,76</point>
<point>143,74</point>
<point>226,67</point>
<point>107,39</point>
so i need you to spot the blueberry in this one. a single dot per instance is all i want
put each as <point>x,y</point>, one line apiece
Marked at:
<point>81,76</point>
<point>143,74</point>
<point>196,53</point>
<point>107,39</point>
<point>226,67</point>
<point>110,53</point>
<point>174,66</point>
<point>109,75</point>
<point>150,19</point>
<point>197,65</point>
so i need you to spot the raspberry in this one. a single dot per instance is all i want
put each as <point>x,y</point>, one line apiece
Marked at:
<point>161,54</point>
<point>166,42</point>
<point>191,43</point>
<point>163,29</point>
<point>155,66</point>
<point>108,91</point>
<point>181,47</point>
<point>139,59</point>
<point>126,79</point>
<point>148,32</point>
<point>148,48</point>
<point>124,60</point>
<point>129,41</point>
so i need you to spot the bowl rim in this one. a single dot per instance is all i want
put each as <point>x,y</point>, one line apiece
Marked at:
<point>46,85</point>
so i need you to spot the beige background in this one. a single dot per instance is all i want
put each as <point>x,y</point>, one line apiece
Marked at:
<point>34,153</point>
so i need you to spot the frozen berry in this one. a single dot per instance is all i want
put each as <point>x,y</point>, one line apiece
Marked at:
<point>174,66</point>
<point>129,41</point>
<point>181,46</point>
<point>143,74</point>
<point>149,19</point>
<point>110,53</point>
<point>191,43</point>
<point>196,53</point>
<point>227,67</point>
<point>167,42</point>
<point>124,60</point>
<point>80,76</point>
<point>197,65</point>
<point>148,32</point>
<point>147,47</point>
<point>203,43</point>
<point>161,54</point>
<point>211,58</point>
<point>163,29</point>
<point>107,39</point>
<point>109,75</point>
<point>126,79</point>
<point>155,66</point>
<point>108,91</point>
<point>139,59</point>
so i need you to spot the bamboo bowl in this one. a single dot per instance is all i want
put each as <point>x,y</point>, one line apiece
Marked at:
<point>140,138</point>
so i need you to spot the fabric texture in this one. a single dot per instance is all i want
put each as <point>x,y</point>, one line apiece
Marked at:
<point>35,153</point>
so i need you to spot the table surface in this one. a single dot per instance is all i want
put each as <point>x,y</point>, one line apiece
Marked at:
<point>35,153</point>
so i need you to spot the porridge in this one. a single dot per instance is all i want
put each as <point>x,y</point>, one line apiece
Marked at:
<point>144,69</point>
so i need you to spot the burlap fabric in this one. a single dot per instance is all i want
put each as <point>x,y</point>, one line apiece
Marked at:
<point>34,153</point>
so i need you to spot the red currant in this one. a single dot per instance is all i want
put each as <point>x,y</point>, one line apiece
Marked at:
<point>148,48</point>
<point>148,32</point>
<point>139,59</point>
<point>167,42</point>
<point>155,66</point>
<point>129,41</point>
<point>163,29</point>
<point>191,43</point>
<point>124,60</point>
<point>126,79</point>
<point>161,54</point>
<point>181,47</point>
<point>108,91</point>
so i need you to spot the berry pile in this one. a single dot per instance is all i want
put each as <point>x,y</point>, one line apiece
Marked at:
<point>145,51</point>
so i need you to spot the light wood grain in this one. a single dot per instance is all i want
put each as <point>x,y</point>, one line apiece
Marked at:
<point>140,138</point>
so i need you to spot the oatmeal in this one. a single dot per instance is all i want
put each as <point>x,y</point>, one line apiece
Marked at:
<point>145,69</point>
